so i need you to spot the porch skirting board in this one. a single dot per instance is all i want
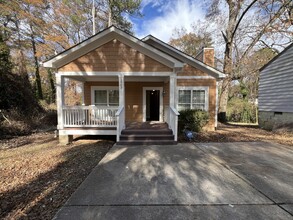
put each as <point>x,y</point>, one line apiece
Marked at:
<point>88,131</point>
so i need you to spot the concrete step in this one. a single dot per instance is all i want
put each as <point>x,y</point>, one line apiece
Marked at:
<point>146,142</point>
<point>147,137</point>
<point>146,132</point>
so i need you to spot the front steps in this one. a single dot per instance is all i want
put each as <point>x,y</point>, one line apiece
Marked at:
<point>147,136</point>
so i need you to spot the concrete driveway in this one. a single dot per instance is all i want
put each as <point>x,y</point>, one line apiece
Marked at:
<point>248,180</point>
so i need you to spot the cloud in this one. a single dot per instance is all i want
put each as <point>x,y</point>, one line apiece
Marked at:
<point>169,15</point>
<point>152,3</point>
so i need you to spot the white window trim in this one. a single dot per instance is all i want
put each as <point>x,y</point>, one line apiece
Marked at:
<point>93,88</point>
<point>205,88</point>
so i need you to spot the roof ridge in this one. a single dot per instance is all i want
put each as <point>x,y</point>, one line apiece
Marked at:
<point>181,52</point>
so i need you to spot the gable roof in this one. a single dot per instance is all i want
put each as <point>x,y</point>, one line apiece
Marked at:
<point>155,42</point>
<point>150,46</point>
<point>276,57</point>
<point>105,36</point>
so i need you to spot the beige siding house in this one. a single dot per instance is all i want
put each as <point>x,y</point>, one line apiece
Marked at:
<point>128,80</point>
<point>275,94</point>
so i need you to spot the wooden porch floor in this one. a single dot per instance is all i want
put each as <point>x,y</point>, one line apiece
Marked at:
<point>149,125</point>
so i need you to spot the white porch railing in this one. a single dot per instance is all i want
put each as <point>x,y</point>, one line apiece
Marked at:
<point>89,116</point>
<point>120,114</point>
<point>166,113</point>
<point>173,121</point>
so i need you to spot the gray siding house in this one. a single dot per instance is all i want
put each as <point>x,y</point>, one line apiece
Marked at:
<point>275,94</point>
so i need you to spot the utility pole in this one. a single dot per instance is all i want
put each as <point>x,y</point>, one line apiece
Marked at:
<point>110,13</point>
<point>94,17</point>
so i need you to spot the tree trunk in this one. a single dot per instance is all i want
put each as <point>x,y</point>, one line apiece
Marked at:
<point>52,86</point>
<point>39,91</point>
<point>234,8</point>
<point>222,116</point>
<point>228,63</point>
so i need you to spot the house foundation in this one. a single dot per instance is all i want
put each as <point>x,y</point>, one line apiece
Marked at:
<point>65,139</point>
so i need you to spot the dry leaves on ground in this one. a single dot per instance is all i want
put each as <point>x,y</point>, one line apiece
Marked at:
<point>235,133</point>
<point>38,175</point>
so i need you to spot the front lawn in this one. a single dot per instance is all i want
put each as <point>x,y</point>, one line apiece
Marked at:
<point>38,175</point>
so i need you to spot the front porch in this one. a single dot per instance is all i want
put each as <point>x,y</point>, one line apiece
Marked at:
<point>128,104</point>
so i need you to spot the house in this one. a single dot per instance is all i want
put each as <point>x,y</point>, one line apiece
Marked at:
<point>275,95</point>
<point>127,80</point>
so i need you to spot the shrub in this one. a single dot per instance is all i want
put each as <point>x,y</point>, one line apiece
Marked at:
<point>192,119</point>
<point>241,110</point>
<point>15,123</point>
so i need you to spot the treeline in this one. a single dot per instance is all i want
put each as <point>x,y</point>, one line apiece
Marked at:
<point>33,30</point>
<point>251,32</point>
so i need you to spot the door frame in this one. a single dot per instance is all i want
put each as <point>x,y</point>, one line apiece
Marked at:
<point>144,102</point>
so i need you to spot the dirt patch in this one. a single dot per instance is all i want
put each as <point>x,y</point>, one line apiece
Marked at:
<point>241,133</point>
<point>38,175</point>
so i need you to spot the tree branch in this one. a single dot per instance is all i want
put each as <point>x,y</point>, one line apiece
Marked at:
<point>225,37</point>
<point>260,34</point>
<point>241,17</point>
<point>268,46</point>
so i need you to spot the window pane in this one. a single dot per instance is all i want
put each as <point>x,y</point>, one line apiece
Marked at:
<point>101,97</point>
<point>183,106</point>
<point>184,96</point>
<point>113,97</point>
<point>198,106</point>
<point>198,96</point>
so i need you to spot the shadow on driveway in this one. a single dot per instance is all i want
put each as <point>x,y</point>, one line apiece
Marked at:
<point>186,181</point>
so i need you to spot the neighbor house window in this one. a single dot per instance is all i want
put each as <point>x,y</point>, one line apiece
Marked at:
<point>102,96</point>
<point>193,98</point>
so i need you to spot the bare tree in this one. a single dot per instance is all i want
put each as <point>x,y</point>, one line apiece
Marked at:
<point>266,18</point>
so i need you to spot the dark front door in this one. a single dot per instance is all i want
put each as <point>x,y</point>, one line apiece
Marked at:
<point>152,105</point>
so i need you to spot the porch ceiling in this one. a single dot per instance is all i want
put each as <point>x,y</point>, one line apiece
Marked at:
<point>115,78</point>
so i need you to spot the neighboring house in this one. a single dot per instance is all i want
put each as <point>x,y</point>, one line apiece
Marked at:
<point>126,79</point>
<point>275,95</point>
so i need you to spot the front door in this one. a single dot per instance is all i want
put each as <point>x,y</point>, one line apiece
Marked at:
<point>152,104</point>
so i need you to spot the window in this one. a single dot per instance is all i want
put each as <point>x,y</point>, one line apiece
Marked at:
<point>102,96</point>
<point>193,98</point>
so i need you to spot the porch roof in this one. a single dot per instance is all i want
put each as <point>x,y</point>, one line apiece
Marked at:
<point>105,36</point>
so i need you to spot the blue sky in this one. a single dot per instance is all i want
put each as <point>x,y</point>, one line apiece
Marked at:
<point>161,17</point>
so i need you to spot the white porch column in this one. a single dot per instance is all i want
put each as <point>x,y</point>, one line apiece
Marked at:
<point>122,97</point>
<point>82,95</point>
<point>173,117</point>
<point>60,99</point>
<point>217,104</point>
<point>173,88</point>
<point>121,90</point>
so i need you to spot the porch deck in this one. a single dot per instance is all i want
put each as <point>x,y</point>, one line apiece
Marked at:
<point>149,125</point>
<point>97,120</point>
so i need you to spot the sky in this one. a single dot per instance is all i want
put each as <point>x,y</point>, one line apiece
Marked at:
<point>161,17</point>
